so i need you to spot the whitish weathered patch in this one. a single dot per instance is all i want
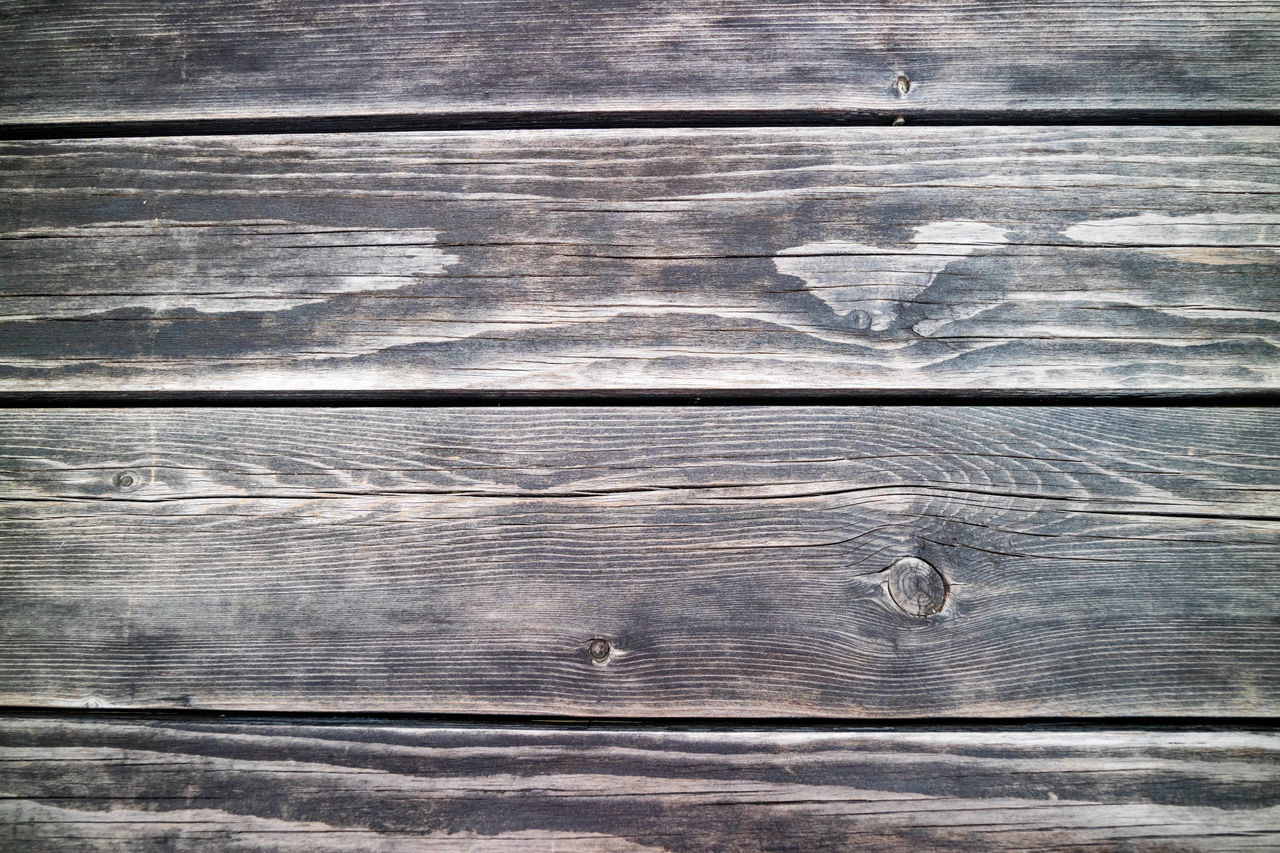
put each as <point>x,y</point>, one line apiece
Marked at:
<point>1218,239</point>
<point>166,266</point>
<point>868,284</point>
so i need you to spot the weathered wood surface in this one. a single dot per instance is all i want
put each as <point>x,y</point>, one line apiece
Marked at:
<point>282,786</point>
<point>856,562</point>
<point>100,60</point>
<point>1100,260</point>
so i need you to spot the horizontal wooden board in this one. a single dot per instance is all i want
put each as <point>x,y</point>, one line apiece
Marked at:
<point>121,784</point>
<point>90,60</point>
<point>845,562</point>
<point>1029,260</point>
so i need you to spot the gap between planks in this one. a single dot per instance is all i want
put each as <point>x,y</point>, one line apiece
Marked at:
<point>691,119</point>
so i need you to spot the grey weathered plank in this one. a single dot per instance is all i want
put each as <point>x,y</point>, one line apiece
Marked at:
<point>1030,259</point>
<point>111,60</point>
<point>285,786</point>
<point>873,562</point>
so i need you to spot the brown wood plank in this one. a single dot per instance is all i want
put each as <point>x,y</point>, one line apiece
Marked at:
<point>1027,260</point>
<point>858,562</point>
<point>96,60</point>
<point>122,784</point>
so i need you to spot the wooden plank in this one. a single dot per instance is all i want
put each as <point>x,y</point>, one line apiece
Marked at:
<point>94,60</point>
<point>117,784</point>
<point>864,562</point>
<point>1028,260</point>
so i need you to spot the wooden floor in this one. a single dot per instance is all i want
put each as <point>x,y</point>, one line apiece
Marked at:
<point>530,426</point>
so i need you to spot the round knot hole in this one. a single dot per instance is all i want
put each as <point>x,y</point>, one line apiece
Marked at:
<point>599,650</point>
<point>917,588</point>
<point>902,85</point>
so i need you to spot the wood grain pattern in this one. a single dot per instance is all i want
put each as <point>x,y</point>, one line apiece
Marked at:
<point>1030,260</point>
<point>87,60</point>
<point>303,786</point>
<point>733,561</point>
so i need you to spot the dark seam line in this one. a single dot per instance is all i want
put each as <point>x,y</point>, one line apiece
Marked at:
<point>630,398</point>
<point>708,723</point>
<point>625,119</point>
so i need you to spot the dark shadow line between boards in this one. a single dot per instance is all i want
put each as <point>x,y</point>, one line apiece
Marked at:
<point>607,398</point>
<point>616,120</point>
<point>708,723</point>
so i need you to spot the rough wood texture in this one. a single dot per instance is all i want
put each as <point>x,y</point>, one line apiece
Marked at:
<point>103,60</point>
<point>776,561</point>
<point>286,786</point>
<point>1100,260</point>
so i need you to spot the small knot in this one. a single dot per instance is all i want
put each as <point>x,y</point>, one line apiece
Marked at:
<point>127,481</point>
<point>858,318</point>
<point>916,587</point>
<point>902,85</point>
<point>599,650</point>
<point>899,121</point>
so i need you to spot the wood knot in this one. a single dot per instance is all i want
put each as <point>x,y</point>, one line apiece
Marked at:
<point>599,650</point>
<point>858,319</point>
<point>902,85</point>
<point>127,481</point>
<point>916,587</point>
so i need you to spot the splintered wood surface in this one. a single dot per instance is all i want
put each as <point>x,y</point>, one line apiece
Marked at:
<point>1027,260</point>
<point>850,562</point>
<point>105,60</point>
<point>117,784</point>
